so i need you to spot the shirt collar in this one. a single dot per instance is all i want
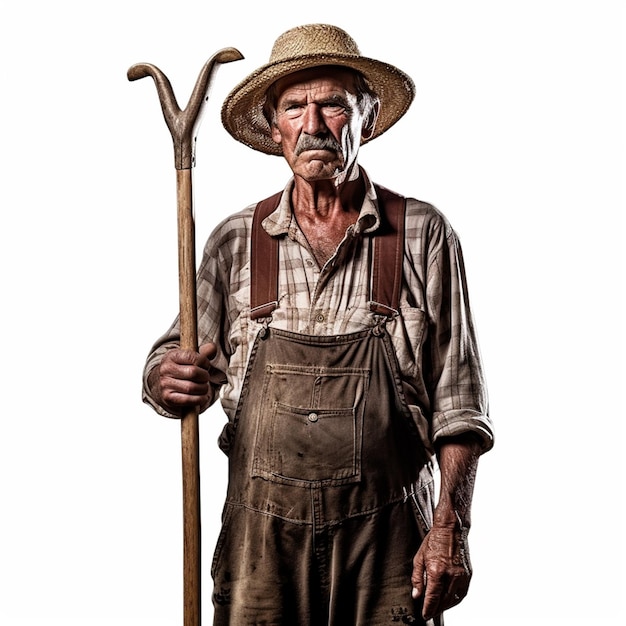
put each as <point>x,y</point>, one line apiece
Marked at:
<point>279,221</point>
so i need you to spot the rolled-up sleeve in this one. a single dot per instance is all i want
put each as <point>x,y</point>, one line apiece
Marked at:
<point>456,381</point>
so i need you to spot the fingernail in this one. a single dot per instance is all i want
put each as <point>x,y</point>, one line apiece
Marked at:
<point>415,594</point>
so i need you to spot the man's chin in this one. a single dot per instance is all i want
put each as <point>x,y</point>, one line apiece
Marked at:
<point>317,169</point>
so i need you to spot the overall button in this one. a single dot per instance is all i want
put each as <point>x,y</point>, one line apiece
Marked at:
<point>313,417</point>
<point>319,318</point>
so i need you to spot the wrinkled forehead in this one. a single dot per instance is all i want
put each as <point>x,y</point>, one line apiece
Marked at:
<point>326,76</point>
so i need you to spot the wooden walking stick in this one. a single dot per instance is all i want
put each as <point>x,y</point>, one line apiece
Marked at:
<point>183,126</point>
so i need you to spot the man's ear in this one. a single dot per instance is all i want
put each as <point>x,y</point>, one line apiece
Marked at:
<point>276,135</point>
<point>369,123</point>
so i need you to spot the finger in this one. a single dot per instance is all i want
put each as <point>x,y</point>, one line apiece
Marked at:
<point>458,588</point>
<point>444,594</point>
<point>182,357</point>
<point>186,386</point>
<point>433,596</point>
<point>417,577</point>
<point>180,394</point>
<point>171,371</point>
<point>207,353</point>
<point>208,350</point>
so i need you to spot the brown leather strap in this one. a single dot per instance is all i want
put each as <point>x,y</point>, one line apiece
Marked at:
<point>386,265</point>
<point>388,254</point>
<point>263,262</point>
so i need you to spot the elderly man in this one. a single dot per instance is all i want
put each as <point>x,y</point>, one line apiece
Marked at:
<point>335,327</point>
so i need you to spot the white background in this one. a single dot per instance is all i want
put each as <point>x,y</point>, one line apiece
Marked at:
<point>516,134</point>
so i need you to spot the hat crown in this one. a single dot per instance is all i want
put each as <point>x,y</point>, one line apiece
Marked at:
<point>313,39</point>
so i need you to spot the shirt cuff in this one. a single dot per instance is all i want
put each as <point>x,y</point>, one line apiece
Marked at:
<point>462,421</point>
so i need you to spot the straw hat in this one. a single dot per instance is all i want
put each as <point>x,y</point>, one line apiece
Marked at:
<point>301,48</point>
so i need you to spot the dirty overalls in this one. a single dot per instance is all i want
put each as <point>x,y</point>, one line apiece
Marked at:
<point>330,491</point>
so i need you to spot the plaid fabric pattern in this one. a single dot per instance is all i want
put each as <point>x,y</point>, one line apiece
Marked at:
<point>433,335</point>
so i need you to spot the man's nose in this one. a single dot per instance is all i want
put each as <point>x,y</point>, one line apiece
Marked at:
<point>313,121</point>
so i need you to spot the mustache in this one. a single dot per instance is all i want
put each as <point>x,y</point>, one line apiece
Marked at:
<point>310,142</point>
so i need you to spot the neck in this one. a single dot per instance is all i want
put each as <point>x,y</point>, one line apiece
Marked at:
<point>324,212</point>
<point>324,197</point>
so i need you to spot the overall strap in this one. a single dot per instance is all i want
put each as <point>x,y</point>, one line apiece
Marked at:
<point>388,253</point>
<point>263,262</point>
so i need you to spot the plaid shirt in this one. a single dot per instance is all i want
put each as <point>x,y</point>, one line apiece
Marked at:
<point>434,338</point>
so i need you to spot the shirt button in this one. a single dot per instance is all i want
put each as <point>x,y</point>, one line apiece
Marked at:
<point>319,318</point>
<point>313,417</point>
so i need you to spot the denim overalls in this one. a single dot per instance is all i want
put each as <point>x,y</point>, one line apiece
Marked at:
<point>330,492</point>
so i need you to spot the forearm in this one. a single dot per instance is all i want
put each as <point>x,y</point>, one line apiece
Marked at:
<point>442,568</point>
<point>458,462</point>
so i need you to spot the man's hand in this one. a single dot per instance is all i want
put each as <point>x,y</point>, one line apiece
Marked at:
<point>182,379</point>
<point>441,569</point>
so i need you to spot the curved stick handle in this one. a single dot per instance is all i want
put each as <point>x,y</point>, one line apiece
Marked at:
<point>184,124</point>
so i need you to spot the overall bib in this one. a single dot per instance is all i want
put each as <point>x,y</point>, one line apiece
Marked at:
<point>330,493</point>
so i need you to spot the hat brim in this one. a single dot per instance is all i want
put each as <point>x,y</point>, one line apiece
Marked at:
<point>242,111</point>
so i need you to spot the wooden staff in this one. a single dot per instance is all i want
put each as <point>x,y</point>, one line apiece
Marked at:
<point>183,126</point>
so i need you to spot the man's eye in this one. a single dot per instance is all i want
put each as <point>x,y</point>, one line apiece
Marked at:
<point>332,108</point>
<point>292,110</point>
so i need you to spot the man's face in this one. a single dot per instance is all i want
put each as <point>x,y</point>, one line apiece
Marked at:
<point>318,123</point>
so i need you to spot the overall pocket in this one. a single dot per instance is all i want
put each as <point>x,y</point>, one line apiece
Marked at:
<point>310,425</point>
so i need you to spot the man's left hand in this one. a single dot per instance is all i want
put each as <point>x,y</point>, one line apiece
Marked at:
<point>441,569</point>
